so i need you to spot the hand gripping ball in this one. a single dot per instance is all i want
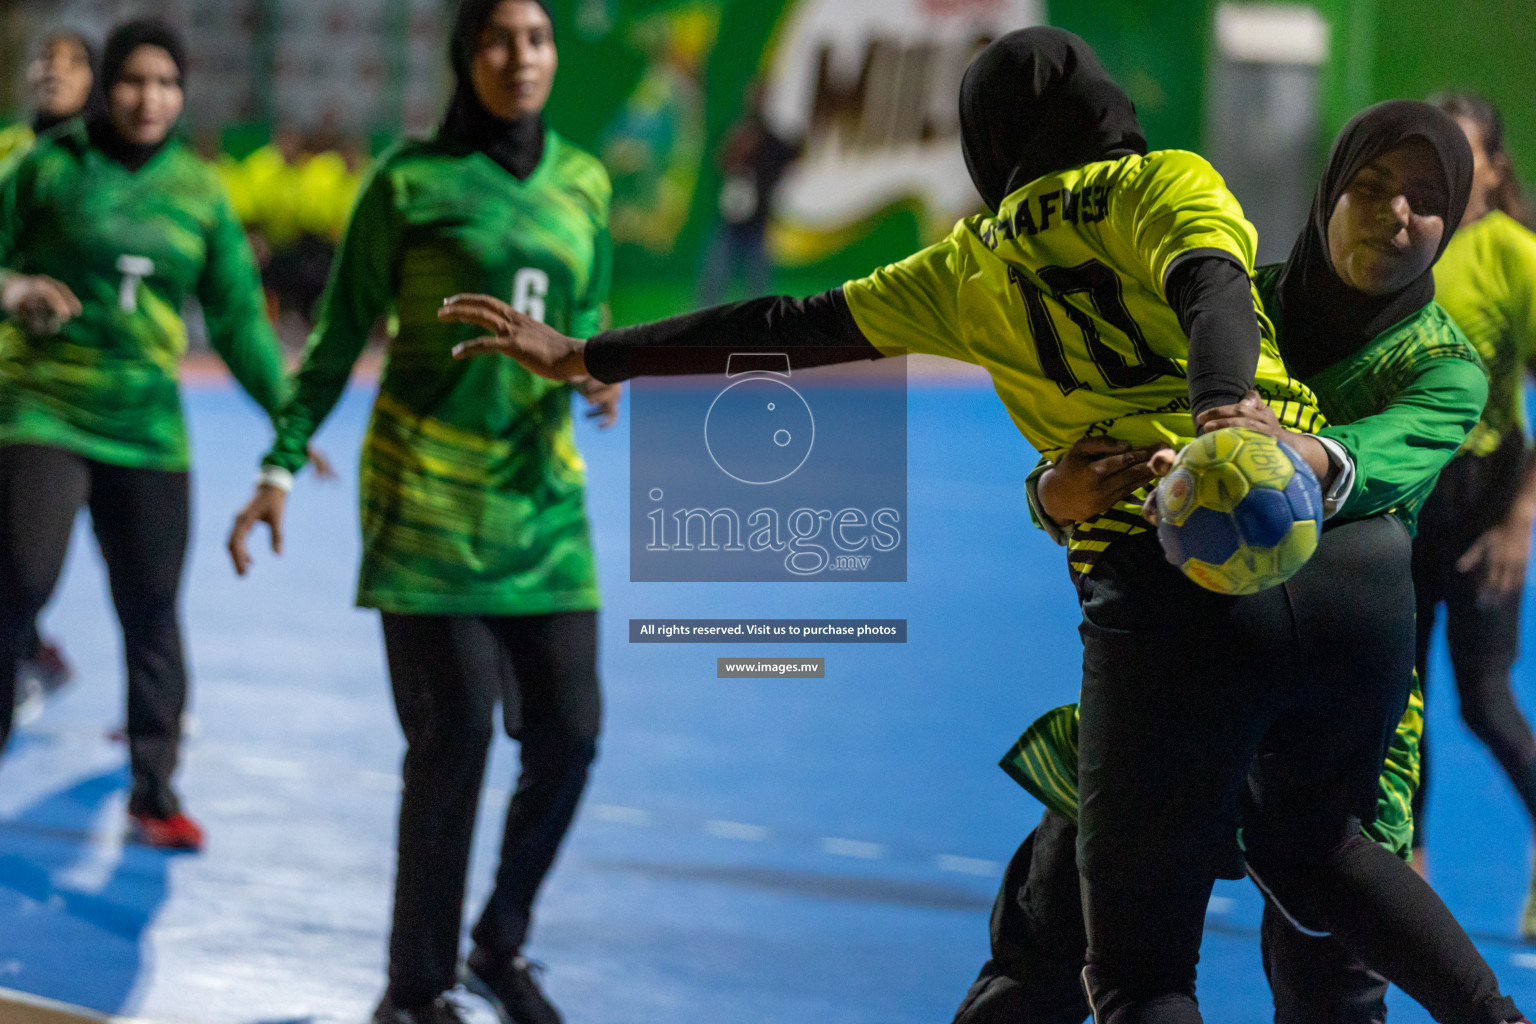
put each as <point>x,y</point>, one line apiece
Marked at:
<point>1240,512</point>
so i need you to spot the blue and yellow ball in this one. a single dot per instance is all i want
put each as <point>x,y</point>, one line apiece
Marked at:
<point>1240,512</point>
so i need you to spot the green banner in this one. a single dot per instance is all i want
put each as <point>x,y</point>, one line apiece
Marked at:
<point>868,87</point>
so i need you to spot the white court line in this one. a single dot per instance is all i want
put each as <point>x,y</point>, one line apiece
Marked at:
<point>1220,905</point>
<point>969,865</point>
<point>852,848</point>
<point>738,830</point>
<point>619,815</point>
<point>1524,960</point>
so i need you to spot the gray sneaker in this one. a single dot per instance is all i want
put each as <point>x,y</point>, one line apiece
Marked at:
<point>438,1011</point>
<point>508,984</point>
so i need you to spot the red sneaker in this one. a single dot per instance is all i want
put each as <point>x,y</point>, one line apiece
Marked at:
<point>178,832</point>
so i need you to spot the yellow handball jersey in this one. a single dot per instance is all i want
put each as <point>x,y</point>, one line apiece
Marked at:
<point>1060,297</point>
<point>1486,280</point>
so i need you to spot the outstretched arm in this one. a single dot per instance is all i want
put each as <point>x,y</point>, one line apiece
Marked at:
<point>909,306</point>
<point>816,331</point>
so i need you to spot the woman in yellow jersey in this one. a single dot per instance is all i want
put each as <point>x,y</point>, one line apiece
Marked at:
<point>1475,537</point>
<point>1402,388</point>
<point>1110,294</point>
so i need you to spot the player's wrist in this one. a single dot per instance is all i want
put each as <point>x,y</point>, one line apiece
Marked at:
<point>1053,509</point>
<point>1315,454</point>
<point>275,477</point>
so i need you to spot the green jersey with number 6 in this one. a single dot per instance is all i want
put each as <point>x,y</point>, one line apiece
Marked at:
<point>472,490</point>
<point>132,246</point>
<point>1060,297</point>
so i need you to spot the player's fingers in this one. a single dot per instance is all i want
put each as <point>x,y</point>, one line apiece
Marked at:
<point>1498,583</point>
<point>1161,462</point>
<point>479,347</point>
<point>237,552</point>
<point>486,321</point>
<point>481,310</point>
<point>1111,465</point>
<point>478,309</point>
<point>1239,420</point>
<point>57,297</point>
<point>1149,508</point>
<point>275,523</point>
<point>475,300</point>
<point>1473,556</point>
<point>71,303</point>
<point>1126,481</point>
<point>1215,413</point>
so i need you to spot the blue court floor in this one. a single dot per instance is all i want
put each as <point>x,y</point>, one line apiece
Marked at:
<point>750,851</point>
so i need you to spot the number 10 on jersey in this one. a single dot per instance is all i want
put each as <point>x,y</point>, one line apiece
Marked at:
<point>1102,286</point>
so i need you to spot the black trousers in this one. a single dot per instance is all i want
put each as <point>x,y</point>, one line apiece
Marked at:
<point>1039,944</point>
<point>1473,495</point>
<point>1280,705</point>
<point>448,672</point>
<point>141,518</point>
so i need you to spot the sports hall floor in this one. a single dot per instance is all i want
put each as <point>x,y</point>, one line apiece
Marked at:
<point>748,852</point>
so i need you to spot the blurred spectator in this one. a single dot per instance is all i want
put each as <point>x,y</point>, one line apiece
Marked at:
<point>655,145</point>
<point>62,78</point>
<point>293,196</point>
<point>752,159</point>
<point>64,85</point>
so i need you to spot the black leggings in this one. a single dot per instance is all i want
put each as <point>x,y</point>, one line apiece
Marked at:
<point>448,672</point>
<point>1473,494</point>
<point>1039,943</point>
<point>141,520</point>
<point>1280,705</point>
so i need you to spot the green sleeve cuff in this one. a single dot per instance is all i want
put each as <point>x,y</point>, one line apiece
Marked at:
<point>1037,514</point>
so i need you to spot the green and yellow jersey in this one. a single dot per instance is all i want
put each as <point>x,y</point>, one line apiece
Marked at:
<point>473,492</point>
<point>15,141</point>
<point>1401,405</point>
<point>133,246</point>
<point>1486,280</point>
<point>1044,762</point>
<point>1060,296</point>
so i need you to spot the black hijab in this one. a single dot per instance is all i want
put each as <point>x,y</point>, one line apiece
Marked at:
<point>517,145</point>
<point>95,100</point>
<point>126,38</point>
<point>1321,319</point>
<point>1035,101</point>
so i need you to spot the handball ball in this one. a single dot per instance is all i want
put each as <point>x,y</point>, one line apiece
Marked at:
<point>1240,511</point>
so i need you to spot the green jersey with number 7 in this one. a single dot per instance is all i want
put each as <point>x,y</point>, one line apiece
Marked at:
<point>472,490</point>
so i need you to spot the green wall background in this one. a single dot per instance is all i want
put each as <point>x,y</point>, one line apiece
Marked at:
<point>1159,50</point>
<point>1485,45</point>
